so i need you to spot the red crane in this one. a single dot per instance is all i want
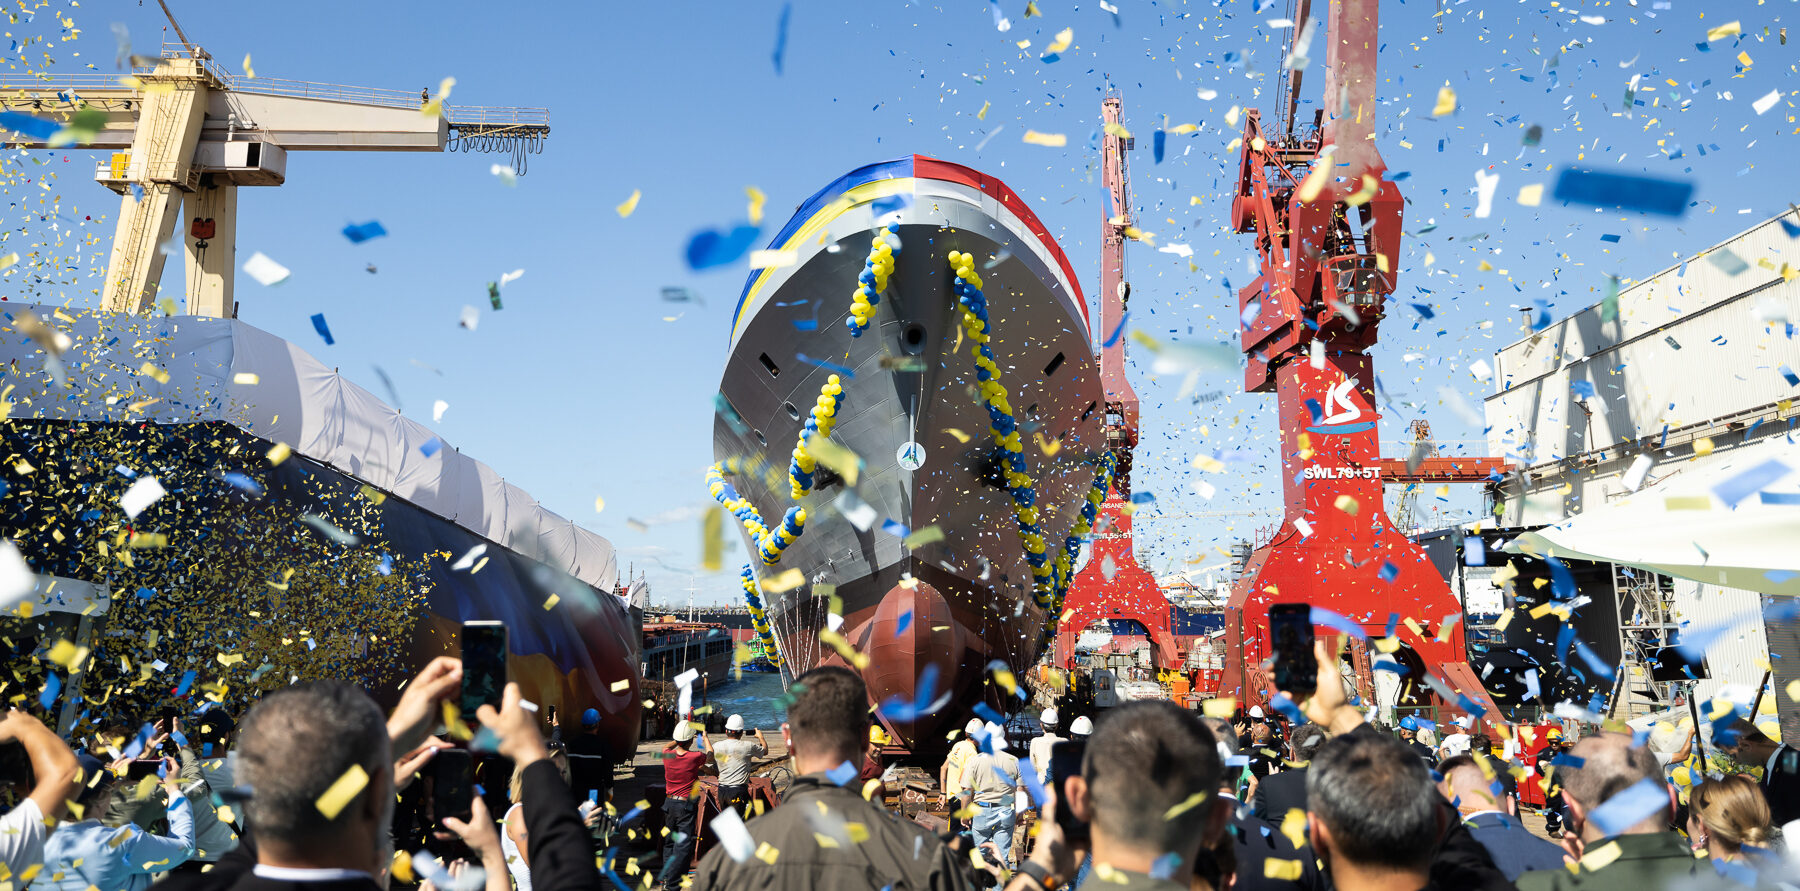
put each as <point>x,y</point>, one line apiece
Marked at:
<point>1327,232</point>
<point>1112,585</point>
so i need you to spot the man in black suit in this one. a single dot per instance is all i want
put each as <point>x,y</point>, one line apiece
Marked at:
<point>1780,763</point>
<point>1281,792</point>
<point>318,761</point>
<point>1489,807</point>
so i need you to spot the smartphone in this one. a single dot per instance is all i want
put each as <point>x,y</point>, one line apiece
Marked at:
<point>483,666</point>
<point>1065,762</point>
<point>142,767</point>
<point>1291,633</point>
<point>169,714</point>
<point>550,714</point>
<point>451,773</point>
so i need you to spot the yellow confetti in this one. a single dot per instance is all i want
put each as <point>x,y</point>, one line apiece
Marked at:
<point>246,379</point>
<point>1703,447</point>
<point>1506,617</point>
<point>837,642</point>
<point>1744,59</point>
<point>552,601</point>
<point>9,260</point>
<point>1726,30</point>
<point>375,496</point>
<point>342,792</point>
<point>151,371</point>
<point>402,864</point>
<point>1183,129</point>
<point>757,200</point>
<point>1192,801</point>
<point>786,581</point>
<point>1793,690</point>
<point>1293,825</point>
<point>1223,707</point>
<point>620,686</point>
<point>279,453</point>
<point>840,460</point>
<point>1048,446</point>
<point>980,116</point>
<point>1414,625</point>
<point>1387,644</point>
<point>1347,504</point>
<point>960,436</point>
<point>248,71</point>
<point>1601,857</point>
<point>1053,140</point>
<point>767,853</point>
<point>870,789</point>
<point>924,536</point>
<point>1282,870</point>
<point>1446,102</point>
<point>230,658</point>
<point>1063,38</point>
<point>630,204</point>
<point>435,107</point>
<point>1118,130</point>
<point>599,504</point>
<point>1532,195</point>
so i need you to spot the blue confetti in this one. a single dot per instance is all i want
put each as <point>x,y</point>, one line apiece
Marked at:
<point>1474,551</point>
<point>1142,497</point>
<point>146,593</point>
<point>1423,310</point>
<point>903,623</point>
<point>187,681</point>
<point>1610,239</point>
<point>1584,389</point>
<point>842,774</point>
<point>1636,804</point>
<point>1117,332</point>
<point>52,684</point>
<point>1157,140</point>
<point>1788,375</point>
<point>324,330</point>
<point>781,32</point>
<point>29,125</point>
<point>1323,616</point>
<point>1743,485</point>
<point>431,447</point>
<point>243,481</point>
<point>844,370</point>
<point>710,248</point>
<point>1642,194</point>
<point>1388,572</point>
<point>361,232</point>
<point>895,528</point>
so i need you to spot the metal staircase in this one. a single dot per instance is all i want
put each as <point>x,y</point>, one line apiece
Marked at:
<point>1646,610</point>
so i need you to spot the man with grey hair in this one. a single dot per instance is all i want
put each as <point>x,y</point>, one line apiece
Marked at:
<point>1615,800</point>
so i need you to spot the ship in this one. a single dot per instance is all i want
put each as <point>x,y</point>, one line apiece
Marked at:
<point>672,647</point>
<point>913,499</point>
<point>297,525</point>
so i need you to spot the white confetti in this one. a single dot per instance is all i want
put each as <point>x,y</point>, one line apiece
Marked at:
<point>1767,102</point>
<point>264,270</point>
<point>142,494</point>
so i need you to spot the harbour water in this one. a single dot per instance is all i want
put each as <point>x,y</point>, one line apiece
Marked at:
<point>756,696</point>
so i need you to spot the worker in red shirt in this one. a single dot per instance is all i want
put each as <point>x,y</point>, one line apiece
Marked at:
<point>682,767</point>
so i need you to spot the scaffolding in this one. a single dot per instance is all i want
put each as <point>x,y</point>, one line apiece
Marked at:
<point>1646,610</point>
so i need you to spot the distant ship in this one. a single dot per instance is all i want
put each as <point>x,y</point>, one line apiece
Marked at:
<point>912,549</point>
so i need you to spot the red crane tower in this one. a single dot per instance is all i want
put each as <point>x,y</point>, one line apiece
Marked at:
<point>1130,592</point>
<point>1327,230</point>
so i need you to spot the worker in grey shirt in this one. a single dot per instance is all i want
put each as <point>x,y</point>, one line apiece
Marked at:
<point>733,754</point>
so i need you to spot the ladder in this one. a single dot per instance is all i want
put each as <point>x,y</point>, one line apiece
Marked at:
<point>1646,611</point>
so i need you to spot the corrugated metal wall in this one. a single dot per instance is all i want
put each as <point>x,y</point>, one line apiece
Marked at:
<point>1740,655</point>
<point>1727,359</point>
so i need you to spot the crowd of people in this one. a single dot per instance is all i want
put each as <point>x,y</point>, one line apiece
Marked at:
<point>303,795</point>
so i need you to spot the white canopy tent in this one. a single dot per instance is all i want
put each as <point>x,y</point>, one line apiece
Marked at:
<point>1734,522</point>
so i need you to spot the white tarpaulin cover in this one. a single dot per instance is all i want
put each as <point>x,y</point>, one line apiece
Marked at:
<point>225,370</point>
<point>1735,523</point>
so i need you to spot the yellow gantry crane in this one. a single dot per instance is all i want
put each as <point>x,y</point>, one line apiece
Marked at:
<point>183,130</point>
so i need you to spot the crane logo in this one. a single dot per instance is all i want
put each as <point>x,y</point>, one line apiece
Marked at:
<point>1340,414</point>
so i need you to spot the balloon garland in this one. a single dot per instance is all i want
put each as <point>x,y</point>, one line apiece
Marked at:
<point>872,281</point>
<point>824,417</point>
<point>758,619</point>
<point>769,542</point>
<point>1002,427</point>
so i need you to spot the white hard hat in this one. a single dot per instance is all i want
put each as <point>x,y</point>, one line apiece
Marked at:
<point>735,722</point>
<point>973,727</point>
<point>1256,711</point>
<point>1082,726</point>
<point>1048,718</point>
<point>684,731</point>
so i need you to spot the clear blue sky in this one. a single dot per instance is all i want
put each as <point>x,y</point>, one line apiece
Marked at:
<point>581,388</point>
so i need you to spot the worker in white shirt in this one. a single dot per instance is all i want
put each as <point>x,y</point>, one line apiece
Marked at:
<point>1040,747</point>
<point>990,783</point>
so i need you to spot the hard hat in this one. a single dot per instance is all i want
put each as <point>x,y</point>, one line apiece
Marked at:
<point>973,727</point>
<point>590,717</point>
<point>1081,726</point>
<point>735,722</point>
<point>1554,733</point>
<point>684,731</point>
<point>1256,712</point>
<point>1048,718</point>
<point>1409,723</point>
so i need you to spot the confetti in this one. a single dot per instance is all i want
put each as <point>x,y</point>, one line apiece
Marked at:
<point>1053,140</point>
<point>266,271</point>
<point>342,792</point>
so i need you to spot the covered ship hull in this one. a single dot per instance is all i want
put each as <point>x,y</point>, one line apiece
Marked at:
<point>931,616</point>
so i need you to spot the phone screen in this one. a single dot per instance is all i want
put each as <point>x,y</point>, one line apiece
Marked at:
<point>1065,762</point>
<point>452,775</point>
<point>483,666</point>
<point>1291,634</point>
